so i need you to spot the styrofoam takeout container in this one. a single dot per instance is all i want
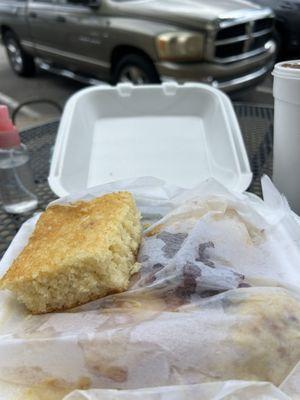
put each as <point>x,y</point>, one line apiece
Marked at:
<point>182,134</point>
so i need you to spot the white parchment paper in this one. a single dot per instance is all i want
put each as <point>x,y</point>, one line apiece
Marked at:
<point>214,312</point>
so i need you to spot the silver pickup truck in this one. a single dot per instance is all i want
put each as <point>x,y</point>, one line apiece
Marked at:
<point>227,43</point>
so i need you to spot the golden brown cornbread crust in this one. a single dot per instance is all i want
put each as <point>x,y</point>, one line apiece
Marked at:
<point>88,243</point>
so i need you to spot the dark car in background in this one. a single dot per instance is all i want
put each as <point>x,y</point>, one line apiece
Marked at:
<point>287,23</point>
<point>228,43</point>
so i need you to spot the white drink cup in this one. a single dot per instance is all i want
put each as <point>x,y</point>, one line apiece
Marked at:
<point>286,162</point>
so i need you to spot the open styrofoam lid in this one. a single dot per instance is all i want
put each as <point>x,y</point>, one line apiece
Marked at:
<point>183,134</point>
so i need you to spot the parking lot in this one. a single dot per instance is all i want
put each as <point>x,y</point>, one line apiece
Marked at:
<point>15,90</point>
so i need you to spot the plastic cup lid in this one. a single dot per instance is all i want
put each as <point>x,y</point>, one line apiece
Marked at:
<point>287,69</point>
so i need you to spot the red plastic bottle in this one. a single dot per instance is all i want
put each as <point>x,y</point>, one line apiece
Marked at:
<point>16,181</point>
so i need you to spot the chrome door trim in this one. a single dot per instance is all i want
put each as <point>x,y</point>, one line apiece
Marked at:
<point>72,56</point>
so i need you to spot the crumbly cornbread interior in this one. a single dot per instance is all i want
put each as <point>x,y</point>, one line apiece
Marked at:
<point>77,253</point>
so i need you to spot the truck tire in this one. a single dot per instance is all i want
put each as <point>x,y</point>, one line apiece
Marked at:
<point>21,62</point>
<point>136,69</point>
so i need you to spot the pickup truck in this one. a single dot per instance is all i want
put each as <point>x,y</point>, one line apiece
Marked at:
<point>226,43</point>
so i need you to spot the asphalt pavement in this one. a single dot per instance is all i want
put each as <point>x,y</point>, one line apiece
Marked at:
<point>15,90</point>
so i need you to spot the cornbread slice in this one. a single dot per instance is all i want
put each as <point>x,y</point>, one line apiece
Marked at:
<point>77,253</point>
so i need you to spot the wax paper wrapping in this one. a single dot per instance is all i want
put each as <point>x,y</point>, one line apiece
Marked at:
<point>230,390</point>
<point>216,300</point>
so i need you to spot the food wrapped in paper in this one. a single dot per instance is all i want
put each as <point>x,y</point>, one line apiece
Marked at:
<point>216,299</point>
<point>228,390</point>
<point>218,242</point>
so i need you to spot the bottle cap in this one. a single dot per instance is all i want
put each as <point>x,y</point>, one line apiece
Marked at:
<point>9,135</point>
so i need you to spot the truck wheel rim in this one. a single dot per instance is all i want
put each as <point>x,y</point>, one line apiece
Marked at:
<point>133,75</point>
<point>15,55</point>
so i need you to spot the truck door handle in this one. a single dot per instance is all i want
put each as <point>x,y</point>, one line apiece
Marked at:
<point>60,18</point>
<point>33,14</point>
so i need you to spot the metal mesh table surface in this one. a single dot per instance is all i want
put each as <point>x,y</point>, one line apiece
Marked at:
<point>256,123</point>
